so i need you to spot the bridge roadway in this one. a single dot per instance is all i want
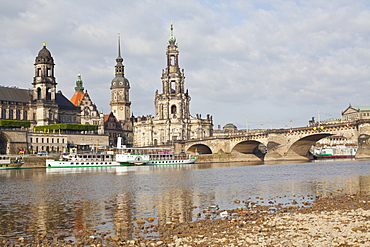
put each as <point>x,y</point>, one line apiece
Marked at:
<point>281,144</point>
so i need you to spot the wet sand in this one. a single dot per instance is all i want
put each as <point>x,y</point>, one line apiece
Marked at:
<point>327,221</point>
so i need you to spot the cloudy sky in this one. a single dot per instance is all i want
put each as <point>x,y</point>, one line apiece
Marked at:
<point>255,63</point>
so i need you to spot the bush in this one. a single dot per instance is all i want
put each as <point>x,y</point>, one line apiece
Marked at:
<point>14,123</point>
<point>68,126</point>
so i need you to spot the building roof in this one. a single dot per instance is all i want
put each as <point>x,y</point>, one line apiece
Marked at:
<point>361,108</point>
<point>15,94</point>
<point>63,102</point>
<point>77,98</point>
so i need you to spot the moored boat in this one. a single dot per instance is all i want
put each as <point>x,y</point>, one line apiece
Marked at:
<point>74,160</point>
<point>122,157</point>
<point>11,162</point>
<point>335,152</point>
<point>154,156</point>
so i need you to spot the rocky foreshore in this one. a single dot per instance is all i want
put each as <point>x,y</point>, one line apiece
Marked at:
<point>328,221</point>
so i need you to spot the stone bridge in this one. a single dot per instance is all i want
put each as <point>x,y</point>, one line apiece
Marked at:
<point>279,144</point>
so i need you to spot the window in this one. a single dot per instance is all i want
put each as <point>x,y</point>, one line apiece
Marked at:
<point>39,72</point>
<point>18,115</point>
<point>172,60</point>
<point>173,109</point>
<point>10,114</point>
<point>3,114</point>
<point>25,115</point>
<point>38,93</point>
<point>48,94</point>
<point>69,119</point>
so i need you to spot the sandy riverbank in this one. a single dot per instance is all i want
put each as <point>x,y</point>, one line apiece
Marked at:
<point>328,221</point>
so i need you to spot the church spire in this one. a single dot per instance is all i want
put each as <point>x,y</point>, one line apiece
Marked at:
<point>119,59</point>
<point>172,39</point>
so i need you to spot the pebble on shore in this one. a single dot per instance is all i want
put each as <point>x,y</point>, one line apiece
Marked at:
<point>329,221</point>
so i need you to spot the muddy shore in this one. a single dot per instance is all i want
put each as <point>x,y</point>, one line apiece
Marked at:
<point>327,221</point>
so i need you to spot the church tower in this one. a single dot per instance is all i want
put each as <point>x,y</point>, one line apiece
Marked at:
<point>173,102</point>
<point>44,89</point>
<point>172,120</point>
<point>120,86</point>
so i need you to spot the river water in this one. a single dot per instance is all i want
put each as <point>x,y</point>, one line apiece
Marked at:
<point>41,201</point>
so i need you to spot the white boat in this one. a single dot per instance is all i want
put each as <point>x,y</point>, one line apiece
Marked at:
<point>10,162</point>
<point>334,152</point>
<point>122,157</point>
<point>154,156</point>
<point>75,159</point>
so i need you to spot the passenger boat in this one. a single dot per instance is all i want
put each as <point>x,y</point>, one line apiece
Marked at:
<point>10,162</point>
<point>122,157</point>
<point>335,152</point>
<point>75,159</point>
<point>154,156</point>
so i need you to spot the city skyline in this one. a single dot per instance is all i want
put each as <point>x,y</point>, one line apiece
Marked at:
<point>273,63</point>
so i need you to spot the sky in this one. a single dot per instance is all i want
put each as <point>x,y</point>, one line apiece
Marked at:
<point>254,63</point>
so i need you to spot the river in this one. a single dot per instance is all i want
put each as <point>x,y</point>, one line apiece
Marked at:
<point>40,201</point>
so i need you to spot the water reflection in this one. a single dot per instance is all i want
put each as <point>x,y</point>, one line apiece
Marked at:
<point>119,199</point>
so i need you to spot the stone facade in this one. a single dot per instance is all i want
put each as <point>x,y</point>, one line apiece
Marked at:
<point>44,105</point>
<point>356,113</point>
<point>89,113</point>
<point>172,120</point>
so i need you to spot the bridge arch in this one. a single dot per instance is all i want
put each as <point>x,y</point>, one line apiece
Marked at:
<point>3,143</point>
<point>199,148</point>
<point>302,146</point>
<point>250,147</point>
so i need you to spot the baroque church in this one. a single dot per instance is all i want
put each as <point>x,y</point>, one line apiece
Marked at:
<point>172,120</point>
<point>44,105</point>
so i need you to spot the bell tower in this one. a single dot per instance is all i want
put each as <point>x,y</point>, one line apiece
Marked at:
<point>120,86</point>
<point>44,89</point>
<point>173,102</point>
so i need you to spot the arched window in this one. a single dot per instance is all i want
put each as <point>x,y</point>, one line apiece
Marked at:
<point>10,114</point>
<point>18,115</point>
<point>3,114</point>
<point>173,109</point>
<point>38,93</point>
<point>69,119</point>
<point>48,94</point>
<point>173,87</point>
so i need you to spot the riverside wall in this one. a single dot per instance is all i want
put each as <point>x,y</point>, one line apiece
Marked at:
<point>221,158</point>
<point>35,161</point>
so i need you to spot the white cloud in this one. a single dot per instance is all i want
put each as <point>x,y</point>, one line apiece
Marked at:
<point>268,61</point>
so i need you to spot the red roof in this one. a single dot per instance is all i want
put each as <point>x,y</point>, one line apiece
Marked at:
<point>76,98</point>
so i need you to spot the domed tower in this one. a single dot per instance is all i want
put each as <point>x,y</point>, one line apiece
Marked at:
<point>120,86</point>
<point>44,89</point>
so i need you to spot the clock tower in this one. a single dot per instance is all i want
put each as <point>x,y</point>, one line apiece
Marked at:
<point>120,86</point>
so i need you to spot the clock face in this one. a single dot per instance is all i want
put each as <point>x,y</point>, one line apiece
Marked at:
<point>121,108</point>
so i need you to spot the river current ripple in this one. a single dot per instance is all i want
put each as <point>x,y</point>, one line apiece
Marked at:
<point>41,201</point>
